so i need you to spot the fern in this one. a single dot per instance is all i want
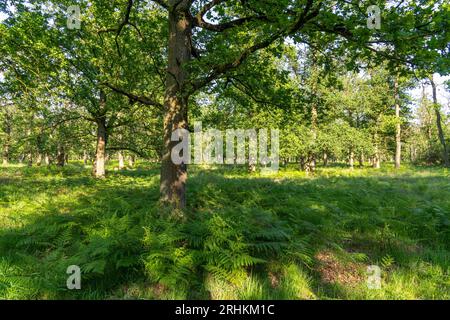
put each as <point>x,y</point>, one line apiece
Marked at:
<point>387,261</point>
<point>226,245</point>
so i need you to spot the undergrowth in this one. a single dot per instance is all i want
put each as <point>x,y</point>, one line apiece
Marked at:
<point>243,236</point>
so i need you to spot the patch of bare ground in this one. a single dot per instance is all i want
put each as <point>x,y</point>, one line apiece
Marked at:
<point>274,279</point>
<point>333,270</point>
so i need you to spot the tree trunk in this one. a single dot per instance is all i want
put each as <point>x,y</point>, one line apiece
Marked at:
<point>312,162</point>
<point>100,154</point>
<point>7,130</point>
<point>85,157</point>
<point>39,159</point>
<point>352,159</point>
<point>173,176</point>
<point>398,141</point>
<point>325,159</point>
<point>121,160</point>
<point>29,155</point>
<point>5,153</point>
<point>301,163</point>
<point>412,153</point>
<point>30,159</point>
<point>60,157</point>
<point>439,125</point>
<point>376,163</point>
<point>361,160</point>
<point>131,161</point>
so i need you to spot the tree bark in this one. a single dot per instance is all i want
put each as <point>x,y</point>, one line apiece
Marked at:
<point>325,159</point>
<point>173,176</point>
<point>85,157</point>
<point>60,157</point>
<point>6,144</point>
<point>352,159</point>
<point>39,159</point>
<point>121,160</point>
<point>5,153</point>
<point>361,160</point>
<point>398,132</point>
<point>131,161</point>
<point>30,159</point>
<point>100,154</point>
<point>312,163</point>
<point>445,155</point>
<point>376,163</point>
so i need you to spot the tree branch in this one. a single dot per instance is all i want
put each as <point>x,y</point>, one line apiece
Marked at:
<point>198,19</point>
<point>199,22</point>
<point>208,7</point>
<point>125,21</point>
<point>306,15</point>
<point>135,98</point>
<point>339,29</point>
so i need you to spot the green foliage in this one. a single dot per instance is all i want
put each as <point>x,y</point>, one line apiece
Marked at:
<point>243,237</point>
<point>226,244</point>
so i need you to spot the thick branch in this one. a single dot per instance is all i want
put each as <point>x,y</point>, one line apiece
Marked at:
<point>135,98</point>
<point>199,22</point>
<point>306,15</point>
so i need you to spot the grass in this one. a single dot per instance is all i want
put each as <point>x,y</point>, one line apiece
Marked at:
<point>244,236</point>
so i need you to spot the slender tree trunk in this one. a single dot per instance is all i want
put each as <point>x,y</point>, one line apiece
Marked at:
<point>121,160</point>
<point>428,124</point>
<point>39,159</point>
<point>312,162</point>
<point>6,144</point>
<point>376,163</point>
<point>100,154</point>
<point>439,125</point>
<point>325,159</point>
<point>301,163</point>
<point>173,176</point>
<point>131,161</point>
<point>412,153</point>
<point>5,153</point>
<point>398,141</point>
<point>361,160</point>
<point>30,159</point>
<point>85,157</point>
<point>60,157</point>
<point>29,154</point>
<point>352,159</point>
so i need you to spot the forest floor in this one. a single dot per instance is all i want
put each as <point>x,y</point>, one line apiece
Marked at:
<point>288,236</point>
